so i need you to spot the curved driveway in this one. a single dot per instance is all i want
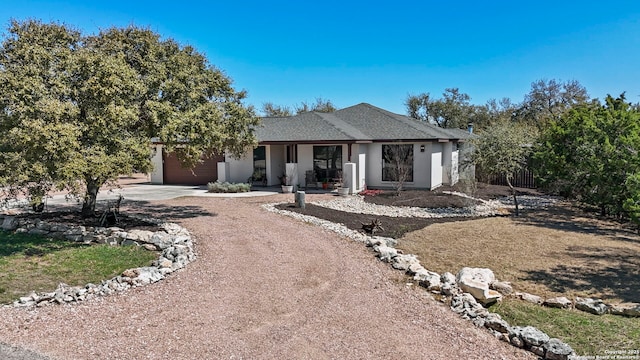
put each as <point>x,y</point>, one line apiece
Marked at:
<point>264,286</point>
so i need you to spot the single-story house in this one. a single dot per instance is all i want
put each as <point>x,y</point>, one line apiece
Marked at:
<point>358,146</point>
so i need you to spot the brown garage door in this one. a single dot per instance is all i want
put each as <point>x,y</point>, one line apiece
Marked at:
<point>175,174</point>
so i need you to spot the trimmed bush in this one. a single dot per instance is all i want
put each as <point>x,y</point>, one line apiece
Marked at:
<point>226,187</point>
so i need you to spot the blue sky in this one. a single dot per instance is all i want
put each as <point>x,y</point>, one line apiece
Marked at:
<point>349,52</point>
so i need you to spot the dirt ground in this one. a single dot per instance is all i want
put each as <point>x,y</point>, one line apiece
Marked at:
<point>564,250</point>
<point>561,251</point>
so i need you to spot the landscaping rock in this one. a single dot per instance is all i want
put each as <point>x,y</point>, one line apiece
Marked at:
<point>448,278</point>
<point>428,279</point>
<point>402,262</point>
<point>593,306</point>
<point>10,223</point>
<point>538,350</point>
<point>415,268</point>
<point>380,240</point>
<point>503,288</point>
<point>633,311</point>
<point>558,302</point>
<point>516,341</point>
<point>476,282</point>
<point>161,240</point>
<point>495,322</point>
<point>139,235</point>
<point>627,309</point>
<point>385,253</point>
<point>449,289</point>
<point>127,242</point>
<point>147,275</point>
<point>533,337</point>
<point>36,231</point>
<point>557,350</point>
<point>534,299</point>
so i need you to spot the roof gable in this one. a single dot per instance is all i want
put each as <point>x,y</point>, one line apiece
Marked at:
<point>362,122</point>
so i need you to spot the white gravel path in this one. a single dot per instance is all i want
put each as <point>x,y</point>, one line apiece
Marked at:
<point>356,204</point>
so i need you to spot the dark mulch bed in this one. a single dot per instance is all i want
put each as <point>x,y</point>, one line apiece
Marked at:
<point>75,218</point>
<point>438,199</point>
<point>393,227</point>
<point>396,227</point>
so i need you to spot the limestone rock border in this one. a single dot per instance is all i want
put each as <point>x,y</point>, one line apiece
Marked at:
<point>528,338</point>
<point>174,243</point>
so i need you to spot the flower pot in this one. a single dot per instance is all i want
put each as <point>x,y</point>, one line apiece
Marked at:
<point>325,186</point>
<point>343,191</point>
<point>287,189</point>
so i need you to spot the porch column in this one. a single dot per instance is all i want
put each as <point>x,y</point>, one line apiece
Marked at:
<point>447,172</point>
<point>291,170</point>
<point>223,171</point>
<point>157,175</point>
<point>349,177</point>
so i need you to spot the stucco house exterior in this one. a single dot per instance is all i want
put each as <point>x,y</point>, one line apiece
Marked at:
<point>350,146</point>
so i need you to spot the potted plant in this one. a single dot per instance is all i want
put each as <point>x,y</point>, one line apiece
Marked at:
<point>284,183</point>
<point>325,183</point>
<point>343,191</point>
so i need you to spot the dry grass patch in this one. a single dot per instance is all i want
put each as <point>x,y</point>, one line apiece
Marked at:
<point>561,251</point>
<point>34,263</point>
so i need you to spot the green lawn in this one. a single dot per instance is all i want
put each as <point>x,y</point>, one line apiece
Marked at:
<point>588,335</point>
<point>34,263</point>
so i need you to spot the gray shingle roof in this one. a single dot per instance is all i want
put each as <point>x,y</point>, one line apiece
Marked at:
<point>362,122</point>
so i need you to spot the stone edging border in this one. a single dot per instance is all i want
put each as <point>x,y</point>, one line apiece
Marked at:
<point>463,303</point>
<point>175,244</point>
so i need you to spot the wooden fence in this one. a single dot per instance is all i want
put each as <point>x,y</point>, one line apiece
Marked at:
<point>523,178</point>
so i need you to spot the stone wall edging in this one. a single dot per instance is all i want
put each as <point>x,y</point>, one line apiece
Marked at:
<point>174,243</point>
<point>528,338</point>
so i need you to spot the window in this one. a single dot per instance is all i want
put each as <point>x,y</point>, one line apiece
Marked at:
<point>259,164</point>
<point>397,163</point>
<point>327,162</point>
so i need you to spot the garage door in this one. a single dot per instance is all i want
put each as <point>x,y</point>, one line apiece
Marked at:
<point>175,174</point>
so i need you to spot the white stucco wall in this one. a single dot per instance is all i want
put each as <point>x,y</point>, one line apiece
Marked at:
<point>276,167</point>
<point>455,174</point>
<point>305,162</point>
<point>157,176</point>
<point>436,165</point>
<point>421,166</point>
<point>240,169</point>
<point>373,167</point>
<point>361,165</point>
<point>447,149</point>
<point>428,171</point>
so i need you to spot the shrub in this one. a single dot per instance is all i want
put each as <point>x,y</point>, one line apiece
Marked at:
<point>370,192</point>
<point>226,187</point>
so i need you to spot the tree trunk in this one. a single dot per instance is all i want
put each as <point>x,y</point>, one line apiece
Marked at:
<point>89,205</point>
<point>515,199</point>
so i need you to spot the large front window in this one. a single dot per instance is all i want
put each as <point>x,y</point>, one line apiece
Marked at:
<point>327,162</point>
<point>259,165</point>
<point>397,163</point>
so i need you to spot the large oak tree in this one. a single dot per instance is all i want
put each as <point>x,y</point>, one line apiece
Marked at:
<point>77,111</point>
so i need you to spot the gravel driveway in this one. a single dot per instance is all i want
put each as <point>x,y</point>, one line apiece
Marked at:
<point>264,286</point>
